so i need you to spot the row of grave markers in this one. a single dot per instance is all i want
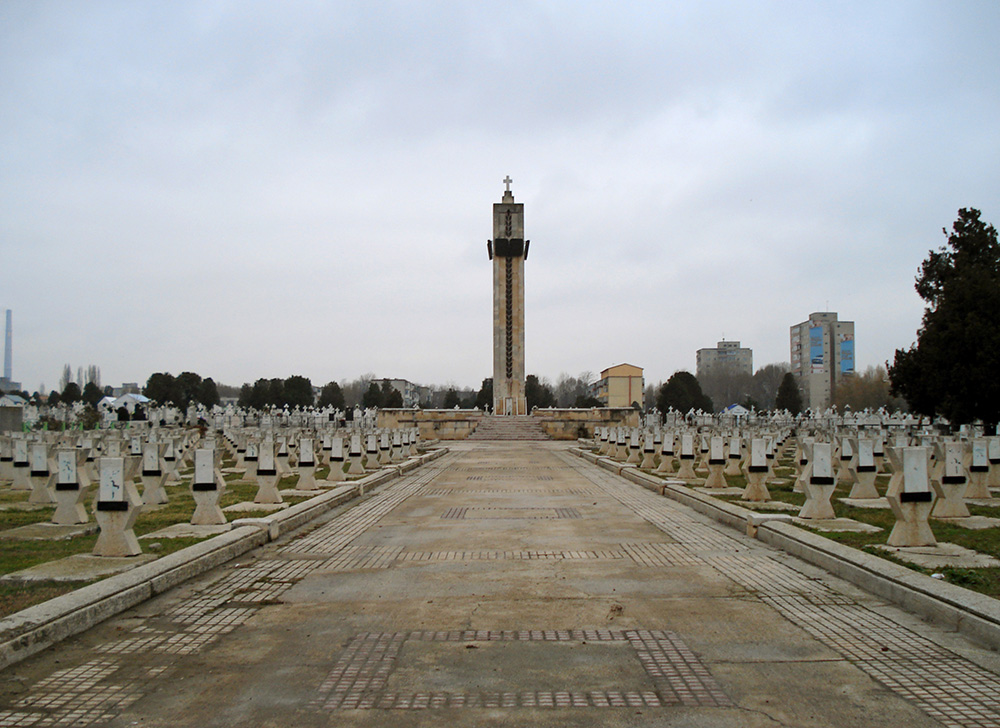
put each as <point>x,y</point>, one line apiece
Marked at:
<point>932,475</point>
<point>58,468</point>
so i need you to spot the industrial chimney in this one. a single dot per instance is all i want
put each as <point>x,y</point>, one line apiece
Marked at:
<point>8,354</point>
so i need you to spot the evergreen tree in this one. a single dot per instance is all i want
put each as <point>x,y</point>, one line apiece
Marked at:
<point>952,368</point>
<point>788,397</point>
<point>372,397</point>
<point>331,396</point>
<point>451,399</point>
<point>298,392</point>
<point>189,388</point>
<point>393,399</point>
<point>71,394</point>
<point>683,393</point>
<point>246,395</point>
<point>275,392</point>
<point>92,394</point>
<point>209,394</point>
<point>484,399</point>
<point>162,387</point>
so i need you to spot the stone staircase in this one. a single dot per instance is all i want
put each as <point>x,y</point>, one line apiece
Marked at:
<point>524,427</point>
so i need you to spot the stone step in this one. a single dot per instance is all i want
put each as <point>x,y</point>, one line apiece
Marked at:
<point>509,428</point>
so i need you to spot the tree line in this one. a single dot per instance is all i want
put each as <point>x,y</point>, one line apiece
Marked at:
<point>950,370</point>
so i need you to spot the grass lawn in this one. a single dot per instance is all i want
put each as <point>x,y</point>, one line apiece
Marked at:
<point>16,555</point>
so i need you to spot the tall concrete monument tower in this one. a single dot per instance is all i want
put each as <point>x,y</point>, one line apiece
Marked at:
<point>508,250</point>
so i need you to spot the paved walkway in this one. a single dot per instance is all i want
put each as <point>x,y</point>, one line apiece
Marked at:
<point>510,584</point>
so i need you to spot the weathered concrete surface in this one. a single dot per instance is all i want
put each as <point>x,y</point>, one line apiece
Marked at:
<point>511,584</point>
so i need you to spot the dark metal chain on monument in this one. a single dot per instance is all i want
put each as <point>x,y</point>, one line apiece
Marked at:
<point>510,314</point>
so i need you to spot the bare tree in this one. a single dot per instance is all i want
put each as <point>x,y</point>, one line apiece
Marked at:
<point>66,378</point>
<point>765,385</point>
<point>867,391</point>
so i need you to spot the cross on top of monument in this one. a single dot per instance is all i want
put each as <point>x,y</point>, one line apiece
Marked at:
<point>507,180</point>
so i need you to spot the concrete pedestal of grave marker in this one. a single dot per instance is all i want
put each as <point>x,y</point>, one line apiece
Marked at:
<point>686,470</point>
<point>354,455</point>
<point>716,479</point>
<point>911,528</point>
<point>22,476</point>
<point>950,482</point>
<point>648,459</point>
<point>978,485</point>
<point>951,499</point>
<point>170,473</point>
<point>42,483</point>
<point>800,484</point>
<point>864,484</point>
<point>733,460</point>
<point>817,505</point>
<point>206,510</point>
<point>993,458</point>
<point>666,466</point>
<point>20,467</point>
<point>336,474</point>
<point>42,474</point>
<point>116,520</point>
<point>603,449</point>
<point>716,463</point>
<point>307,477</point>
<point>371,453</point>
<point>634,456</point>
<point>206,506</point>
<point>910,497</point>
<point>847,460</point>
<point>153,492</point>
<point>756,490</point>
<point>819,484</point>
<point>70,509</point>
<point>307,466</point>
<point>68,490</point>
<point>979,470</point>
<point>267,488</point>
<point>207,486</point>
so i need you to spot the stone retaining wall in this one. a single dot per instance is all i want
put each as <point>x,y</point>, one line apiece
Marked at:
<point>458,424</point>
<point>436,424</point>
<point>570,424</point>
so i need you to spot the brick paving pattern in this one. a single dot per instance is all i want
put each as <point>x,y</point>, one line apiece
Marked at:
<point>359,678</point>
<point>945,685</point>
<point>948,687</point>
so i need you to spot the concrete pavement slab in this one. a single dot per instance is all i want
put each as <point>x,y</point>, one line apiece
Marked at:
<point>510,584</point>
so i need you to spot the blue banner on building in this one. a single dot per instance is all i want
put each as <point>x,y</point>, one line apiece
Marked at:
<point>846,354</point>
<point>816,349</point>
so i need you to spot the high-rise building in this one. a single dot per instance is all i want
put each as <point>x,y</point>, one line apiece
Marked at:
<point>822,354</point>
<point>727,357</point>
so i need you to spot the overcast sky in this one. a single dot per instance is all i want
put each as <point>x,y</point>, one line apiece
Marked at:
<point>247,190</point>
